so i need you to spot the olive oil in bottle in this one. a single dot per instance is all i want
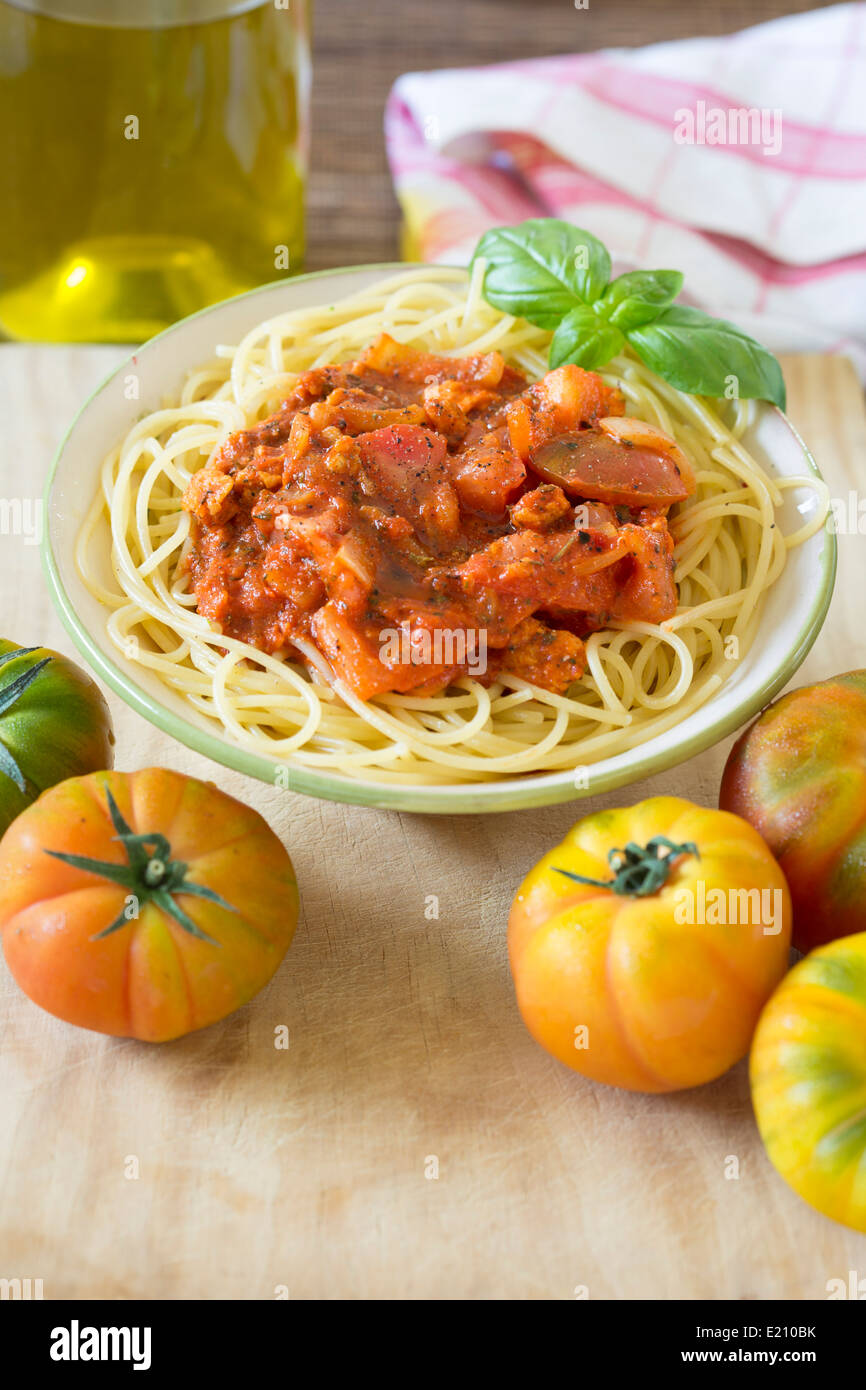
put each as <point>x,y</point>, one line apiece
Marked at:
<point>152,159</point>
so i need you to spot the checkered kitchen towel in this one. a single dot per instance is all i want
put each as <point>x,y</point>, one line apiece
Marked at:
<point>739,160</point>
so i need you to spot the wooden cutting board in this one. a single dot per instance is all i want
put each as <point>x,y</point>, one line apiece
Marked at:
<point>412,1141</point>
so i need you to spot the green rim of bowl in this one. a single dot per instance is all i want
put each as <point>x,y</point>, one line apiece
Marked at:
<point>510,794</point>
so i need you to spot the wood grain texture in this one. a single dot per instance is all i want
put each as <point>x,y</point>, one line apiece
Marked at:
<point>361,49</point>
<point>305,1168</point>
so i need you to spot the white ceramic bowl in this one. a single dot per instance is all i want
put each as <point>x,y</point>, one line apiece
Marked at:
<point>792,616</point>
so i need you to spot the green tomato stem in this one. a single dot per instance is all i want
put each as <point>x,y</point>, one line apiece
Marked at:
<point>149,876</point>
<point>638,871</point>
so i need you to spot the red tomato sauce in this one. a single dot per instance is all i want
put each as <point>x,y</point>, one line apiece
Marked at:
<point>428,497</point>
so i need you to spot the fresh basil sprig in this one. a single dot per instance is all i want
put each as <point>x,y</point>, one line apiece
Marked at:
<point>558,277</point>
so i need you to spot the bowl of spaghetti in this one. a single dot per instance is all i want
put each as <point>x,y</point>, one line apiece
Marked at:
<point>348,534</point>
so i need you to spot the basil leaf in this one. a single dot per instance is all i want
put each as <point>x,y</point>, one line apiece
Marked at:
<point>592,265</point>
<point>585,339</point>
<point>542,268</point>
<point>705,356</point>
<point>639,296</point>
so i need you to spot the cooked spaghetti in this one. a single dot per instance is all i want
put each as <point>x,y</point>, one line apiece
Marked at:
<point>299,539</point>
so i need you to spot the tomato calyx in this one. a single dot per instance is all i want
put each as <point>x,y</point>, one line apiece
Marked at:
<point>638,871</point>
<point>9,697</point>
<point>150,876</point>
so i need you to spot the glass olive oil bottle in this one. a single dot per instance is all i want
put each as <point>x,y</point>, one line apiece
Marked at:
<point>152,159</point>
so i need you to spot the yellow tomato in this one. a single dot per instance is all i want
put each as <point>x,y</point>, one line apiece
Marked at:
<point>644,946</point>
<point>808,1072</point>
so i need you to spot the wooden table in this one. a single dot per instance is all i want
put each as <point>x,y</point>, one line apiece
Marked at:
<point>220,1166</point>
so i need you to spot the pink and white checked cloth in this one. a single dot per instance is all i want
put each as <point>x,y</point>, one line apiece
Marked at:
<point>740,160</point>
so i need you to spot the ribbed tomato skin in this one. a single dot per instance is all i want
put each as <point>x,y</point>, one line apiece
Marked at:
<point>151,979</point>
<point>798,775</point>
<point>808,1077</point>
<point>664,1004</point>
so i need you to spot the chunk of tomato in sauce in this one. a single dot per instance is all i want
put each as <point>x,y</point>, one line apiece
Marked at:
<point>406,467</point>
<point>488,474</point>
<point>594,464</point>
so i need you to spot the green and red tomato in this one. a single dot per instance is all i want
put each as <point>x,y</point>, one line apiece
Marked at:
<point>54,723</point>
<point>798,775</point>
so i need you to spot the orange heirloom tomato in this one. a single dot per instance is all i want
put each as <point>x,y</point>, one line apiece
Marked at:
<point>798,774</point>
<point>644,946</point>
<point>143,904</point>
<point>808,1073</point>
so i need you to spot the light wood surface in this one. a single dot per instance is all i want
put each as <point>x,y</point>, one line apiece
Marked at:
<point>306,1170</point>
